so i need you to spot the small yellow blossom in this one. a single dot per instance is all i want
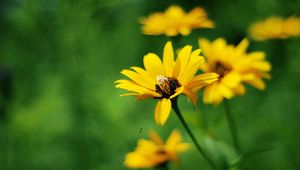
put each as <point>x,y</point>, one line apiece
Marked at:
<point>175,21</point>
<point>234,67</point>
<point>154,152</point>
<point>275,27</point>
<point>165,80</point>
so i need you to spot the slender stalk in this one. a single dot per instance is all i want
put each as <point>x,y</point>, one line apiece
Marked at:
<point>199,148</point>
<point>232,125</point>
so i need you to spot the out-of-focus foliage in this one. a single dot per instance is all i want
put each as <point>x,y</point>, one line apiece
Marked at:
<point>59,108</point>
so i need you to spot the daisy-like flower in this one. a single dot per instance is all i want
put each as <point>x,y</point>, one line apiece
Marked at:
<point>234,67</point>
<point>175,21</point>
<point>165,80</point>
<point>275,28</point>
<point>154,152</point>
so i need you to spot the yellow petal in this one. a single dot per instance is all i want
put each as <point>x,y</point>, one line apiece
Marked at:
<point>211,94</point>
<point>133,87</point>
<point>155,138</point>
<point>257,55</point>
<point>139,79</point>
<point>257,83</point>
<point>225,91</point>
<point>231,79</point>
<point>162,111</point>
<point>218,49</point>
<point>146,146</point>
<point>191,95</point>
<point>243,45</point>
<point>202,80</point>
<point>136,160</point>
<point>174,11</point>
<point>208,24</point>
<point>182,60</point>
<point>174,139</point>
<point>200,13</point>
<point>129,94</point>
<point>144,74</point>
<point>168,59</point>
<point>171,32</point>
<point>240,90</point>
<point>153,65</point>
<point>262,66</point>
<point>145,155</point>
<point>143,96</point>
<point>205,46</point>
<point>266,75</point>
<point>247,77</point>
<point>204,67</point>
<point>178,91</point>
<point>197,11</point>
<point>185,30</point>
<point>191,68</point>
<point>183,147</point>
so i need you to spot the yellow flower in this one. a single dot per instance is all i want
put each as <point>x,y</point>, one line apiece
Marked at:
<point>175,21</point>
<point>234,67</point>
<point>154,152</point>
<point>165,80</point>
<point>276,27</point>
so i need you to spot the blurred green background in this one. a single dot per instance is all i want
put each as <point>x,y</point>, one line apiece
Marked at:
<point>59,108</point>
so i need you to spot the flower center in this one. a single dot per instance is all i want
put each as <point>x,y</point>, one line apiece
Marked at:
<point>166,86</point>
<point>161,152</point>
<point>221,69</point>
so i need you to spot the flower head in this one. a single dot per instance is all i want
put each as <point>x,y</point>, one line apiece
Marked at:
<point>175,21</point>
<point>154,152</point>
<point>275,27</point>
<point>165,80</point>
<point>234,67</point>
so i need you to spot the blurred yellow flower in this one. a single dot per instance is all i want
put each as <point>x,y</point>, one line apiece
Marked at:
<point>175,21</point>
<point>234,67</point>
<point>165,80</point>
<point>275,27</point>
<point>154,152</point>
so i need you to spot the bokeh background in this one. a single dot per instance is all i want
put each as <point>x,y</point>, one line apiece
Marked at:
<point>59,108</point>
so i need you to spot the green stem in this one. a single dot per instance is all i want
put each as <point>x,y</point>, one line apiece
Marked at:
<point>199,148</point>
<point>232,125</point>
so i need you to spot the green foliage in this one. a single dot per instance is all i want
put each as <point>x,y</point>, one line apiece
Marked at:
<point>63,111</point>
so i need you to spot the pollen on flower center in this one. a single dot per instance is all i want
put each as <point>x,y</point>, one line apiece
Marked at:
<point>166,86</point>
<point>221,69</point>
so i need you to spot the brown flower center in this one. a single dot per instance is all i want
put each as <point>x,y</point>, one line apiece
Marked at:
<point>161,152</point>
<point>221,69</point>
<point>166,86</point>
